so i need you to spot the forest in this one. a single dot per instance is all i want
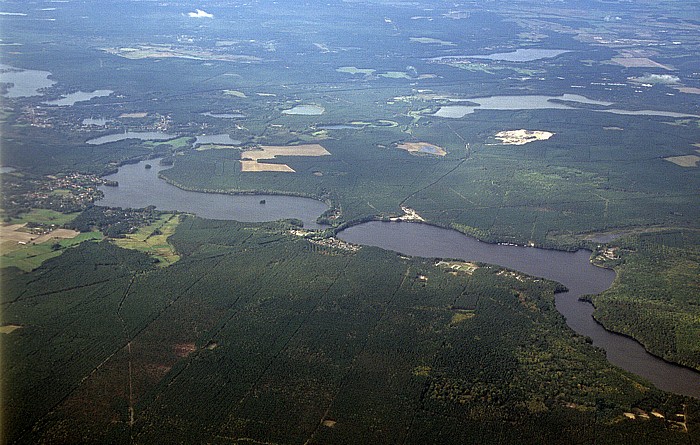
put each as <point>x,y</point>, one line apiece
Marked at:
<point>256,334</point>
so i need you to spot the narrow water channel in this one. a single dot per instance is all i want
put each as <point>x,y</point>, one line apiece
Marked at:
<point>141,187</point>
<point>573,270</point>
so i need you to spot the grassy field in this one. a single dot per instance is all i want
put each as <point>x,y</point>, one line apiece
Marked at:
<point>31,256</point>
<point>153,240</point>
<point>44,216</point>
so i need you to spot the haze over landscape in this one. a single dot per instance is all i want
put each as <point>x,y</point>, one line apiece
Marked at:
<point>350,221</point>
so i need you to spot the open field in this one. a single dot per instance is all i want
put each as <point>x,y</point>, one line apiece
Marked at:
<point>153,240</point>
<point>31,256</point>
<point>44,216</point>
<point>684,161</point>
<point>250,159</point>
<point>166,51</point>
<point>639,62</point>
<point>422,148</point>
<point>18,236</point>
<point>522,137</point>
<point>8,329</point>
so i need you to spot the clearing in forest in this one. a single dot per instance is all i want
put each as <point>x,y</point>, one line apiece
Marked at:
<point>684,161</point>
<point>522,137</point>
<point>422,148</point>
<point>153,239</point>
<point>250,160</point>
<point>17,236</point>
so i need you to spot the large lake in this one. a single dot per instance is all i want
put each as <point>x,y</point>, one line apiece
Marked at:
<point>574,270</point>
<point>537,102</point>
<point>522,55</point>
<point>140,187</point>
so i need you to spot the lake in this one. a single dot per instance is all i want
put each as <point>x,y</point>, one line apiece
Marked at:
<point>217,139</point>
<point>224,115</point>
<point>537,102</point>
<point>522,55</point>
<point>26,83</point>
<point>574,270</point>
<point>142,135</point>
<point>78,96</point>
<point>305,110</point>
<point>140,187</point>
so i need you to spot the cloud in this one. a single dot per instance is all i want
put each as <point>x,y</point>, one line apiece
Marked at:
<point>664,79</point>
<point>199,14</point>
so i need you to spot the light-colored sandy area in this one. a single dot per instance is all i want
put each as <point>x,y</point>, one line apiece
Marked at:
<point>255,166</point>
<point>408,215</point>
<point>9,329</point>
<point>430,40</point>
<point>639,62</point>
<point>684,161</point>
<point>133,115</point>
<point>522,137</point>
<point>422,148</point>
<point>688,90</point>
<point>250,160</point>
<point>14,236</point>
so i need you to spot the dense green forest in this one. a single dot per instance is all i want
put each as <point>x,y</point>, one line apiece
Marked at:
<point>655,298</point>
<point>259,335</point>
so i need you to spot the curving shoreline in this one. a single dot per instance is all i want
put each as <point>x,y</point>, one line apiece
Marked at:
<point>572,268</point>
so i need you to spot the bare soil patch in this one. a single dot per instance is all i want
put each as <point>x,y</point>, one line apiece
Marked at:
<point>9,328</point>
<point>422,148</point>
<point>184,349</point>
<point>522,137</point>
<point>639,62</point>
<point>250,160</point>
<point>688,90</point>
<point>14,236</point>
<point>133,115</point>
<point>684,161</point>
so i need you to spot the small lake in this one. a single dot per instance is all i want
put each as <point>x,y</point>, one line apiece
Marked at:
<point>305,110</point>
<point>142,135</point>
<point>522,55</point>
<point>536,102</point>
<point>26,83</point>
<point>224,115</point>
<point>78,96</point>
<point>217,139</point>
<point>574,270</point>
<point>140,187</point>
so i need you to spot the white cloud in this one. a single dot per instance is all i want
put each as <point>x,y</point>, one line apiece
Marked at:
<point>199,14</point>
<point>664,79</point>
